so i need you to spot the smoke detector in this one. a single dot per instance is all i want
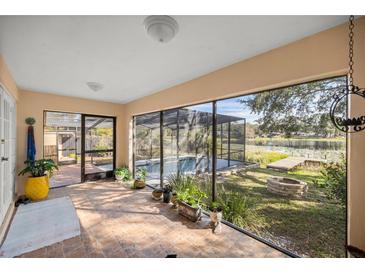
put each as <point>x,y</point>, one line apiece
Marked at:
<point>161,28</point>
<point>94,86</point>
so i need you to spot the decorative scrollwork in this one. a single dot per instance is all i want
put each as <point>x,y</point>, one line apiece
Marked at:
<point>348,125</point>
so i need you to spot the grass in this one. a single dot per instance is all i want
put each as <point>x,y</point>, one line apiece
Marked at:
<point>329,139</point>
<point>313,226</point>
<point>264,157</point>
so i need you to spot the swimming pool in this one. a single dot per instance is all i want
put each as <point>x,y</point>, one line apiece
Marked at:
<point>188,165</point>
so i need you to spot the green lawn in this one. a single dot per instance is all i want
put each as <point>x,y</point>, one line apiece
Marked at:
<point>326,139</point>
<point>313,226</point>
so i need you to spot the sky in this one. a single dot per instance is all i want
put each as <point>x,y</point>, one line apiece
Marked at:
<point>231,107</point>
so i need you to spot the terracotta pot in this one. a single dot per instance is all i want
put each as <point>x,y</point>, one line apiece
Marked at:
<point>139,184</point>
<point>192,213</point>
<point>157,194</point>
<point>174,200</point>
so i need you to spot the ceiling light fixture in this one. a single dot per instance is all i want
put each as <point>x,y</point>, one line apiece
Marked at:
<point>161,28</point>
<point>94,86</point>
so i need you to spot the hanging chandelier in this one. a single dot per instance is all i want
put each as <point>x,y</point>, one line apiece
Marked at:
<point>343,122</point>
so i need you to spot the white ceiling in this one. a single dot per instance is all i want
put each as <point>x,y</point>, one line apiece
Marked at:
<point>59,54</point>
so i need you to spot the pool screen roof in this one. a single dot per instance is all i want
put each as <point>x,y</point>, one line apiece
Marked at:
<point>152,120</point>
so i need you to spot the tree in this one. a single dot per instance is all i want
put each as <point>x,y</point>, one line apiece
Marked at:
<point>297,109</point>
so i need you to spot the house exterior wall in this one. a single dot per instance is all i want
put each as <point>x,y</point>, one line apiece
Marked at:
<point>316,57</point>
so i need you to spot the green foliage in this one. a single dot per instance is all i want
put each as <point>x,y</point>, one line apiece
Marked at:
<point>236,207</point>
<point>264,157</point>
<point>301,108</point>
<point>104,131</point>
<point>39,168</point>
<point>334,176</point>
<point>141,174</point>
<point>74,156</point>
<point>187,189</point>
<point>30,121</point>
<point>123,172</point>
<point>191,195</point>
<point>216,206</point>
<point>180,182</point>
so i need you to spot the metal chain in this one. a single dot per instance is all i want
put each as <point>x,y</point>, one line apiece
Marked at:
<point>351,50</point>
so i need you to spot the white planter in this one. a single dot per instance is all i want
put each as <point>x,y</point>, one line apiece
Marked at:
<point>119,178</point>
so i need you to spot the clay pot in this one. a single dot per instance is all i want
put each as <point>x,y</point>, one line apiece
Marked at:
<point>157,194</point>
<point>174,200</point>
<point>139,184</point>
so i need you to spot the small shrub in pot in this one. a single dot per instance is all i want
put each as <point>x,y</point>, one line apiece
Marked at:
<point>216,216</point>
<point>122,174</point>
<point>167,193</point>
<point>189,202</point>
<point>157,194</point>
<point>140,181</point>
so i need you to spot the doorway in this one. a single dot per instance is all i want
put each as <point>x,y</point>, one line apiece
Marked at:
<point>7,151</point>
<point>82,145</point>
<point>98,147</point>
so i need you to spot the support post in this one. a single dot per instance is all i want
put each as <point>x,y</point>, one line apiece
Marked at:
<point>177,142</point>
<point>214,148</point>
<point>221,140</point>
<point>229,143</point>
<point>244,140</point>
<point>161,148</point>
<point>151,152</point>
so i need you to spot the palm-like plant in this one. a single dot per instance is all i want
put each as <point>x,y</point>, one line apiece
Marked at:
<point>39,168</point>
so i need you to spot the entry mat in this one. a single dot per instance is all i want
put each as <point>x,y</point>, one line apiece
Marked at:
<point>40,224</point>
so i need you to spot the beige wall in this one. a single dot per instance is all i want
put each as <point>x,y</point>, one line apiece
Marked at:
<point>32,104</point>
<point>315,57</point>
<point>7,80</point>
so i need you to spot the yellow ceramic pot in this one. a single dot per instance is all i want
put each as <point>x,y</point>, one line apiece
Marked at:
<point>36,188</point>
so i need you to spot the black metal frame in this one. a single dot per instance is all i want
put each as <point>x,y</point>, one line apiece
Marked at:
<point>103,174</point>
<point>97,175</point>
<point>214,102</point>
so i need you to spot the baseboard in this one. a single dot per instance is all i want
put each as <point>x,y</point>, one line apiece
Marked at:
<point>6,223</point>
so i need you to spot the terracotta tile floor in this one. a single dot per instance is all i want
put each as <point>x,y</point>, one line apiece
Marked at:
<point>119,222</point>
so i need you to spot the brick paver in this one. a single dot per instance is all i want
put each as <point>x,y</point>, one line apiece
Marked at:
<point>120,222</point>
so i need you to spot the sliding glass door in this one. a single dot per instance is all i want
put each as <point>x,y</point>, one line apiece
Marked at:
<point>98,147</point>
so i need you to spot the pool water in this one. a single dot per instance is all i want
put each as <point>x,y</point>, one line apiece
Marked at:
<point>188,165</point>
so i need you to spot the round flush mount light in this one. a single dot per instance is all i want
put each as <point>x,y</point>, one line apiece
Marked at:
<point>161,28</point>
<point>94,86</point>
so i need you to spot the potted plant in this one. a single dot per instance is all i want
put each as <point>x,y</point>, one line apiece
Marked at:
<point>189,202</point>
<point>167,193</point>
<point>37,185</point>
<point>122,174</point>
<point>215,214</point>
<point>157,194</point>
<point>174,199</point>
<point>140,180</point>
